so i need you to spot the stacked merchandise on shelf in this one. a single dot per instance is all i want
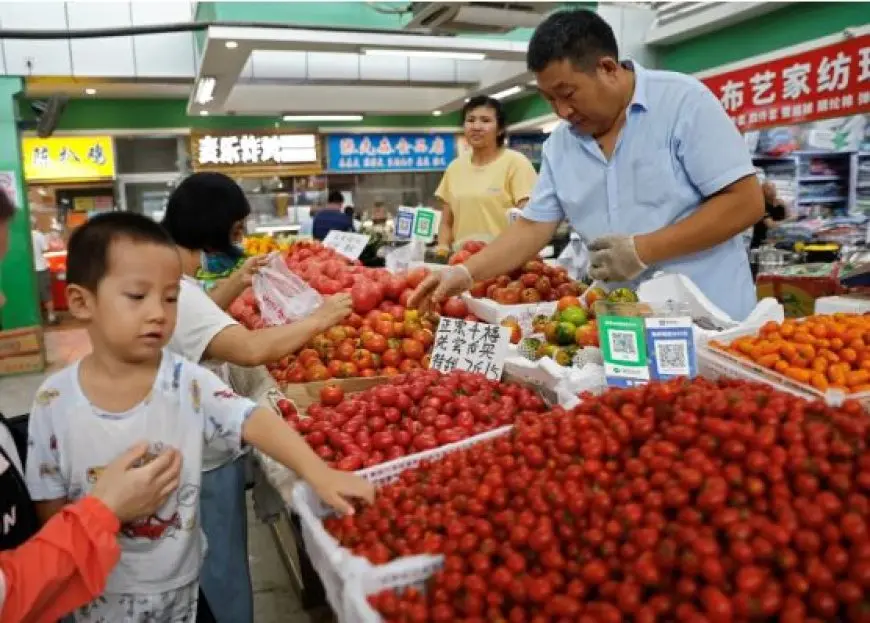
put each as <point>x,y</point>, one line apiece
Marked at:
<point>781,172</point>
<point>823,183</point>
<point>862,185</point>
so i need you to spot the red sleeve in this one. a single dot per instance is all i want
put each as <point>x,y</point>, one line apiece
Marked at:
<point>64,566</point>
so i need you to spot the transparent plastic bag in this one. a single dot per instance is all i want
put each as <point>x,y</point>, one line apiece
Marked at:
<point>399,260</point>
<point>282,296</point>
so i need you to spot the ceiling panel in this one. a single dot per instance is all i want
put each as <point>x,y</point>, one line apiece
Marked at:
<point>255,99</point>
<point>26,58</point>
<point>383,68</point>
<point>276,65</point>
<point>333,66</point>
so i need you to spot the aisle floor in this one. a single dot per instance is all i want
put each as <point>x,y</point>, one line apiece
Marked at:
<point>274,597</point>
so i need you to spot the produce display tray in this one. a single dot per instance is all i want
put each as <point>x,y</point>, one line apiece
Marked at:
<point>493,313</point>
<point>336,565</point>
<point>714,364</point>
<point>402,573</point>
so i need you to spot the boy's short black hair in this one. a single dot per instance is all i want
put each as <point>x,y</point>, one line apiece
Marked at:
<point>580,36</point>
<point>7,208</point>
<point>202,210</point>
<point>485,101</point>
<point>87,260</point>
<point>335,196</point>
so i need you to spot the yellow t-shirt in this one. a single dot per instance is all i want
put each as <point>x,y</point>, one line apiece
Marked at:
<point>480,196</point>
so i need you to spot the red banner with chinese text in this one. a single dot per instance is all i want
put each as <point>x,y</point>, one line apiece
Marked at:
<point>831,81</point>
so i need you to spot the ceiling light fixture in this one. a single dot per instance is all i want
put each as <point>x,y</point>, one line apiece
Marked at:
<point>205,90</point>
<point>507,92</point>
<point>445,54</point>
<point>203,113</point>
<point>322,117</point>
<point>90,91</point>
<point>436,113</point>
<point>231,45</point>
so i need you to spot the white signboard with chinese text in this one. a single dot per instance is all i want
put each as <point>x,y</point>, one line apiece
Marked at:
<point>348,244</point>
<point>253,150</point>
<point>470,346</point>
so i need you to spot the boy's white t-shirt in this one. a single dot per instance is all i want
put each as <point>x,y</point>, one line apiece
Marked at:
<point>71,441</point>
<point>40,246</point>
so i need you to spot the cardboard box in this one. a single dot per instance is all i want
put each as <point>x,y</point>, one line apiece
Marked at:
<point>304,395</point>
<point>797,287</point>
<point>22,351</point>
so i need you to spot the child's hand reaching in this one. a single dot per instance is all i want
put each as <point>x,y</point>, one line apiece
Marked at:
<point>335,488</point>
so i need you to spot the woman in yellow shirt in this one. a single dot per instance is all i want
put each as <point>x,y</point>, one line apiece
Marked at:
<point>478,189</point>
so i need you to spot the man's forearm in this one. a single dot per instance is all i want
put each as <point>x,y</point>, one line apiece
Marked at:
<point>517,244</point>
<point>718,219</point>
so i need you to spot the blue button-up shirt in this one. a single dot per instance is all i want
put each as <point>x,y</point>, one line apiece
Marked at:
<point>677,148</point>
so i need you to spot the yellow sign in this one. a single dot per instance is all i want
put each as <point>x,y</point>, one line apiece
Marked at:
<point>68,158</point>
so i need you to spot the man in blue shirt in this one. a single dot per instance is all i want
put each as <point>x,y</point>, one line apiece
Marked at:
<point>331,217</point>
<point>646,166</point>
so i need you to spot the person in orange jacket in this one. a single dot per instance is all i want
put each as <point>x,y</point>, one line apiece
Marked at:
<point>49,572</point>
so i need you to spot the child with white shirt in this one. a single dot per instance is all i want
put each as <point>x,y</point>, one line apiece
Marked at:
<point>123,275</point>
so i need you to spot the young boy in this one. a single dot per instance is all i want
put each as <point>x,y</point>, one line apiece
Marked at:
<point>123,275</point>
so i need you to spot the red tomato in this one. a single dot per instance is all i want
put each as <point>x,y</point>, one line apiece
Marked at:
<point>331,394</point>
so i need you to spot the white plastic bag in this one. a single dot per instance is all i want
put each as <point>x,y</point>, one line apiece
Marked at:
<point>282,296</point>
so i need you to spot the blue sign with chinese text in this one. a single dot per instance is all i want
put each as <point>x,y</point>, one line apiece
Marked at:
<point>360,153</point>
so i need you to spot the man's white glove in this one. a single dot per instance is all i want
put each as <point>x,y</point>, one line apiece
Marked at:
<point>441,285</point>
<point>614,258</point>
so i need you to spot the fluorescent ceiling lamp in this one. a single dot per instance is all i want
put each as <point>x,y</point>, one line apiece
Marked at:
<point>322,117</point>
<point>205,90</point>
<point>447,54</point>
<point>90,91</point>
<point>231,45</point>
<point>507,92</point>
<point>203,113</point>
<point>436,113</point>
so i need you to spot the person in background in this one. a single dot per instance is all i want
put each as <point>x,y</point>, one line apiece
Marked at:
<point>478,189</point>
<point>40,266</point>
<point>331,217</point>
<point>774,212</point>
<point>357,224</point>
<point>646,165</point>
<point>203,216</point>
<point>49,572</point>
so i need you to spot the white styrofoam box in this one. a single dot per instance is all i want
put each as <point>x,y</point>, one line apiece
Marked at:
<point>402,573</point>
<point>849,304</point>
<point>493,313</point>
<point>334,564</point>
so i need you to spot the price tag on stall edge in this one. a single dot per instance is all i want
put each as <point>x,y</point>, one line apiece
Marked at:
<point>471,346</point>
<point>348,244</point>
<point>637,350</point>
<point>424,224</point>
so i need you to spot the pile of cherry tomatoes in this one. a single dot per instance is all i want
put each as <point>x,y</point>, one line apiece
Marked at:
<point>824,351</point>
<point>414,412</point>
<point>678,501</point>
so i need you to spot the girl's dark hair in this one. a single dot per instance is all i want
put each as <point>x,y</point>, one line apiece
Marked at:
<point>202,210</point>
<point>485,101</point>
<point>7,208</point>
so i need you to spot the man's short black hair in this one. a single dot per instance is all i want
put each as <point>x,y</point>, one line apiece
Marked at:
<point>579,35</point>
<point>335,196</point>
<point>485,101</point>
<point>87,260</point>
<point>202,210</point>
<point>7,208</point>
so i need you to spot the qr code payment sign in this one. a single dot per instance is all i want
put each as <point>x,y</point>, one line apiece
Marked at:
<point>672,357</point>
<point>623,345</point>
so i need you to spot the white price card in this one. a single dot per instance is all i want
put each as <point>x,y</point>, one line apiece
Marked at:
<point>348,244</point>
<point>470,346</point>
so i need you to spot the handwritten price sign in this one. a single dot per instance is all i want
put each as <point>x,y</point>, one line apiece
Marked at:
<point>470,346</point>
<point>348,244</point>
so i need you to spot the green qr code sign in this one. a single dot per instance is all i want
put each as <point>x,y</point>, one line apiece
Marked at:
<point>424,223</point>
